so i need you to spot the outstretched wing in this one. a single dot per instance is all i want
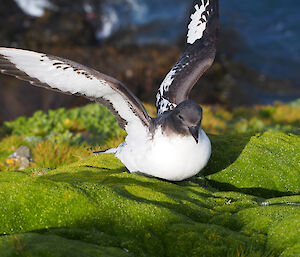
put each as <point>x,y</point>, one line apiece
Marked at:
<point>197,58</point>
<point>72,78</point>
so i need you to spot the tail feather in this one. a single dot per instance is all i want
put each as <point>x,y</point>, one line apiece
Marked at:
<point>112,150</point>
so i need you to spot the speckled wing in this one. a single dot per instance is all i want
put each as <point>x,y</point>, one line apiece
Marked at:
<point>70,77</point>
<point>197,58</point>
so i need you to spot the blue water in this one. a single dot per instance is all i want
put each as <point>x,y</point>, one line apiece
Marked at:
<point>269,29</point>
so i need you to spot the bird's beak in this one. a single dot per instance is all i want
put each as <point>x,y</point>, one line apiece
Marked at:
<point>195,132</point>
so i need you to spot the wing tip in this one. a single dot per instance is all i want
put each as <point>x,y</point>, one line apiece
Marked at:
<point>202,15</point>
<point>10,52</point>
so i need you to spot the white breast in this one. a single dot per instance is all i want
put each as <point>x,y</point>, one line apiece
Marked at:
<point>172,158</point>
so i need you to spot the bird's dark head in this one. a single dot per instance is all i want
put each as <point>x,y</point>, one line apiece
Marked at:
<point>186,118</point>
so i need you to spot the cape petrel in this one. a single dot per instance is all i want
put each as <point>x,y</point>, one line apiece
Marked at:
<point>171,146</point>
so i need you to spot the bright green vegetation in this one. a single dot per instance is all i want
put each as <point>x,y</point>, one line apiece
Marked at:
<point>280,117</point>
<point>92,123</point>
<point>72,204</point>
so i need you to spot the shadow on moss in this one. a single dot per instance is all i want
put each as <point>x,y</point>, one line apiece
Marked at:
<point>231,145</point>
<point>167,195</point>
<point>256,191</point>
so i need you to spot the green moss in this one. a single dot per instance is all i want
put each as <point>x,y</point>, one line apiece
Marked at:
<point>36,244</point>
<point>267,165</point>
<point>247,205</point>
<point>96,208</point>
<point>291,251</point>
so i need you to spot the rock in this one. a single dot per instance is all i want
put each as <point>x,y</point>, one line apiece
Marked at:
<point>23,151</point>
<point>21,156</point>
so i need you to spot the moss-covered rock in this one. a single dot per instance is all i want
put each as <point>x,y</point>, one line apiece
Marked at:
<point>94,207</point>
<point>268,164</point>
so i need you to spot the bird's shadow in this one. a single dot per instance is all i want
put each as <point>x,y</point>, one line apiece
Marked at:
<point>259,192</point>
<point>225,150</point>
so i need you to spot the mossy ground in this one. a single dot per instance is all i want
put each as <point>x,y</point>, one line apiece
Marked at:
<point>71,203</point>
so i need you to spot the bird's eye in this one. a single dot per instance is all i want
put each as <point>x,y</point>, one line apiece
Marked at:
<point>180,117</point>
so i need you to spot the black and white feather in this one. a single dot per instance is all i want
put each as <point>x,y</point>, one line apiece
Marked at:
<point>69,77</point>
<point>197,58</point>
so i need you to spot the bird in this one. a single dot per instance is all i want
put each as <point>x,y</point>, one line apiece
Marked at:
<point>172,146</point>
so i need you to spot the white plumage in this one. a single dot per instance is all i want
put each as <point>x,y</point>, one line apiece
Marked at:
<point>198,22</point>
<point>173,158</point>
<point>163,103</point>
